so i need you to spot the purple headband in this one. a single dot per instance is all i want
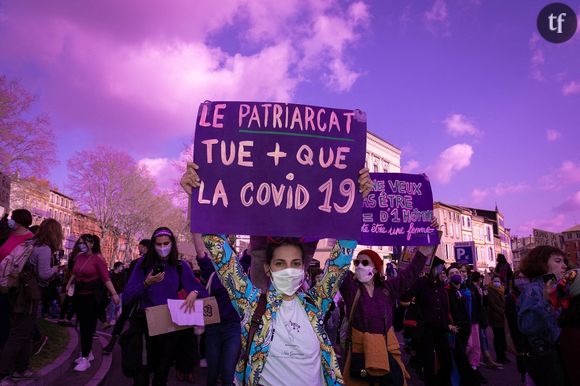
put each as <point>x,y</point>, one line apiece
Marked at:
<point>162,232</point>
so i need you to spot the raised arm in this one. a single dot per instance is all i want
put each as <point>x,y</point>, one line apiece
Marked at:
<point>335,270</point>
<point>400,284</point>
<point>236,282</point>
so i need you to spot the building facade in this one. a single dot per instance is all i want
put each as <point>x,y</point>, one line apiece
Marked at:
<point>522,245</point>
<point>572,244</point>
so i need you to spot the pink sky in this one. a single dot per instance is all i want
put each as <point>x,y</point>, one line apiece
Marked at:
<point>468,90</point>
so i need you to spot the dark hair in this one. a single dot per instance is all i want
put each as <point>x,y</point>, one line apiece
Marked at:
<point>22,217</point>
<point>475,276</point>
<point>4,230</point>
<point>535,263</point>
<point>117,264</point>
<point>49,233</point>
<point>96,240</point>
<point>273,245</point>
<point>152,257</point>
<point>501,259</point>
<point>146,243</point>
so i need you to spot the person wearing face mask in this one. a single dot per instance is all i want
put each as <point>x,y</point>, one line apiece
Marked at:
<point>17,227</point>
<point>289,344</point>
<point>91,279</point>
<point>156,277</point>
<point>435,325</point>
<point>496,312</point>
<point>370,300</point>
<point>66,308</point>
<point>537,318</point>
<point>459,311</point>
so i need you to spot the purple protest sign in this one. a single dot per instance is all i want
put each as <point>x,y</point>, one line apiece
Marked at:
<point>398,211</point>
<point>278,169</point>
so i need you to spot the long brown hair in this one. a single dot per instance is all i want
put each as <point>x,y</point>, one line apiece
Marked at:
<point>49,233</point>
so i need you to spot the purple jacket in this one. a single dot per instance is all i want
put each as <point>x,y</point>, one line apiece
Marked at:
<point>375,314</point>
<point>158,293</point>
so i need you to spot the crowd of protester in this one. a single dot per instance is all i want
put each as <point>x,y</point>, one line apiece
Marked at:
<point>336,325</point>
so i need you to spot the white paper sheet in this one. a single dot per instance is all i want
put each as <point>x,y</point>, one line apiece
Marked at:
<point>183,318</point>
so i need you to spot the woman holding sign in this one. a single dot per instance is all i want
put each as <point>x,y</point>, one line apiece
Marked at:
<point>159,276</point>
<point>283,337</point>
<point>370,300</point>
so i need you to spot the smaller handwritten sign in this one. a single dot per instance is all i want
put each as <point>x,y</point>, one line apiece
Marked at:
<point>398,211</point>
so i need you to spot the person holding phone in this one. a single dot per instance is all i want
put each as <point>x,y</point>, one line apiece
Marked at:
<point>537,318</point>
<point>159,275</point>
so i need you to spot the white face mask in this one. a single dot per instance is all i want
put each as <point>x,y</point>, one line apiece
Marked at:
<point>163,251</point>
<point>288,281</point>
<point>364,274</point>
<point>83,248</point>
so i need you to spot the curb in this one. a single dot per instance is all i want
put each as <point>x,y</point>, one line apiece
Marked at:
<point>59,366</point>
<point>104,368</point>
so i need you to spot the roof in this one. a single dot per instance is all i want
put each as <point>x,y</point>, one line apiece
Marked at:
<point>383,140</point>
<point>575,228</point>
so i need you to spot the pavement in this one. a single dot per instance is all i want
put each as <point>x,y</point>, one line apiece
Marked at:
<point>106,369</point>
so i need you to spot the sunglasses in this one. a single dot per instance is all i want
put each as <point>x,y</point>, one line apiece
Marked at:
<point>363,262</point>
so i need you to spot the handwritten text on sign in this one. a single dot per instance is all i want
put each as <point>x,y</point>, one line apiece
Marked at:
<point>398,211</point>
<point>278,169</point>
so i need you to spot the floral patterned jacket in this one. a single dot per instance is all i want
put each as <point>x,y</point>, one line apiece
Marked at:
<point>315,301</point>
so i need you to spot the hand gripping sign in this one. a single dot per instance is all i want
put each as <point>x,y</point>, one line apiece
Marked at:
<point>278,169</point>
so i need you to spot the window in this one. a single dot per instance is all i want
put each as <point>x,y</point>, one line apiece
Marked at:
<point>445,228</point>
<point>490,254</point>
<point>457,232</point>
<point>468,222</point>
<point>447,251</point>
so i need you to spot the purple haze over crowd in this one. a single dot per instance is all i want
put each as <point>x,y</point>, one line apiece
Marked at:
<point>467,89</point>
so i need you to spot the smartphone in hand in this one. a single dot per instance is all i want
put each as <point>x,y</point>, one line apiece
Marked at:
<point>549,276</point>
<point>158,268</point>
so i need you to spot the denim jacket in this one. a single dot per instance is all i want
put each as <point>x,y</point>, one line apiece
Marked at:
<point>316,302</point>
<point>537,319</point>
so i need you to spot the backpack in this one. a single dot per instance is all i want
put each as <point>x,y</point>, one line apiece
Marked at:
<point>12,265</point>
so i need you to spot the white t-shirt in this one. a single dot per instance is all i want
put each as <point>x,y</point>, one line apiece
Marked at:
<point>294,357</point>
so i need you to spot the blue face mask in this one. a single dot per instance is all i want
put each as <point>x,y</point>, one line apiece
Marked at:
<point>11,223</point>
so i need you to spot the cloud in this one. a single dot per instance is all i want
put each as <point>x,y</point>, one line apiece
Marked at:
<point>410,166</point>
<point>571,88</point>
<point>571,204</point>
<point>537,58</point>
<point>437,19</point>
<point>133,72</point>
<point>478,194</point>
<point>458,124</point>
<point>450,161</point>
<point>552,224</point>
<point>568,173</point>
<point>162,171</point>
<point>552,135</point>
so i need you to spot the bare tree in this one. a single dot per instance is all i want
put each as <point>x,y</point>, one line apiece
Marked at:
<point>27,146</point>
<point>123,197</point>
